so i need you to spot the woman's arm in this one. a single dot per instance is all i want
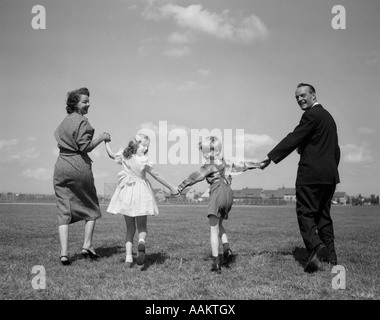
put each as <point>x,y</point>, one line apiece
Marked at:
<point>95,142</point>
<point>111,154</point>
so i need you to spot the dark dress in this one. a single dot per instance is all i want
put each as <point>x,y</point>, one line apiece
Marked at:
<point>74,186</point>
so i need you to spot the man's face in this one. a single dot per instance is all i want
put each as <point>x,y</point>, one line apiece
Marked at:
<point>305,98</point>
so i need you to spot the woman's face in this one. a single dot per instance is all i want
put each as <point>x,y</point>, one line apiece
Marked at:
<point>83,104</point>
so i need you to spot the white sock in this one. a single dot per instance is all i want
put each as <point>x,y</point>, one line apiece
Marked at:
<point>129,258</point>
<point>142,240</point>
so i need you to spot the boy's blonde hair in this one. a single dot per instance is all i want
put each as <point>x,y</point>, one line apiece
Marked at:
<point>211,147</point>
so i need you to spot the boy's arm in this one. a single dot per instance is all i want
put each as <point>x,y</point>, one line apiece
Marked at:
<point>111,154</point>
<point>252,165</point>
<point>195,177</point>
<point>240,167</point>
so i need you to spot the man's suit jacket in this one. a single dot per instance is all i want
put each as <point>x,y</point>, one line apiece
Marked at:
<point>317,141</point>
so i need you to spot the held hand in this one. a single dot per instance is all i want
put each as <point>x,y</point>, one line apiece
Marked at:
<point>106,137</point>
<point>264,163</point>
<point>253,165</point>
<point>174,192</point>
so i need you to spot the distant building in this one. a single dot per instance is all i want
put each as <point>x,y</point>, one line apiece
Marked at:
<point>339,198</point>
<point>271,194</point>
<point>248,193</point>
<point>288,194</point>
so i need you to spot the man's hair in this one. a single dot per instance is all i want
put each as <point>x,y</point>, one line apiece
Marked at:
<point>312,90</point>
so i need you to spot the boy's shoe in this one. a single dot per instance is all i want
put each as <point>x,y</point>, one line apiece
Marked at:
<point>227,256</point>
<point>141,255</point>
<point>215,267</point>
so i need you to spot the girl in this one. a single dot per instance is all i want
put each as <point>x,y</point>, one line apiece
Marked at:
<point>134,196</point>
<point>217,172</point>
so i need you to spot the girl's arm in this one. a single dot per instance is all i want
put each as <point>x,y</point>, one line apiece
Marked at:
<point>111,154</point>
<point>162,180</point>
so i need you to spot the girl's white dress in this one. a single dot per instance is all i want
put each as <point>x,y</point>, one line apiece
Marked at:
<point>133,195</point>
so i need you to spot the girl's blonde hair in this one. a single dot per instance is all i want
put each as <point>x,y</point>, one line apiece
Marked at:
<point>211,147</point>
<point>134,144</point>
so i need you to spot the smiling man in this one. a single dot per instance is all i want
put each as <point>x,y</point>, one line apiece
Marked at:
<point>316,140</point>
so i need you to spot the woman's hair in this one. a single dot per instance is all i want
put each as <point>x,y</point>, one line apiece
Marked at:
<point>134,144</point>
<point>73,97</point>
<point>211,147</point>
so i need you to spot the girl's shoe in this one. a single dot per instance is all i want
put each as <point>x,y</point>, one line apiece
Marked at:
<point>65,260</point>
<point>227,256</point>
<point>215,267</point>
<point>141,256</point>
<point>88,253</point>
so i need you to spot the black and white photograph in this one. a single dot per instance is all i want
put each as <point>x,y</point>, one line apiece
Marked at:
<point>188,157</point>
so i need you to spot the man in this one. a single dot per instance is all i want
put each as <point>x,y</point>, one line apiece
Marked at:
<point>317,142</point>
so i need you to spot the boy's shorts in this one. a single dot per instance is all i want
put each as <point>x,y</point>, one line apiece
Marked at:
<point>221,199</point>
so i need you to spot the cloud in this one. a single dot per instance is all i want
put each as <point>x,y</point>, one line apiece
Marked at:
<point>181,38</point>
<point>166,87</point>
<point>356,154</point>
<point>146,46</point>
<point>198,20</point>
<point>38,174</point>
<point>204,72</point>
<point>367,131</point>
<point>195,21</point>
<point>177,52</point>
<point>163,128</point>
<point>100,175</point>
<point>254,141</point>
<point>7,143</point>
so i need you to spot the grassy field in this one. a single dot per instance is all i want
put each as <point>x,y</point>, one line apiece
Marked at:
<point>268,265</point>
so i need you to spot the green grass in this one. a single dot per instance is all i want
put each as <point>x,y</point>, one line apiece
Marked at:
<point>266,241</point>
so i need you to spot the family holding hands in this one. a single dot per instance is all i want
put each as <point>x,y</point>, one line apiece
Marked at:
<point>315,138</point>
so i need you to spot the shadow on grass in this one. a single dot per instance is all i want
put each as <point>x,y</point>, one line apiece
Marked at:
<point>154,258</point>
<point>226,264</point>
<point>103,252</point>
<point>108,251</point>
<point>300,255</point>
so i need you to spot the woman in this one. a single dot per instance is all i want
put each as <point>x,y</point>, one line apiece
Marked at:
<point>73,179</point>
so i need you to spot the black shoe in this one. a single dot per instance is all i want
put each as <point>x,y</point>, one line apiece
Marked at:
<point>87,253</point>
<point>141,256</point>
<point>215,267</point>
<point>227,256</point>
<point>333,262</point>
<point>65,260</point>
<point>314,261</point>
<point>330,259</point>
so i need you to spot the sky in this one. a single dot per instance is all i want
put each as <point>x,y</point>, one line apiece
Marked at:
<point>180,69</point>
